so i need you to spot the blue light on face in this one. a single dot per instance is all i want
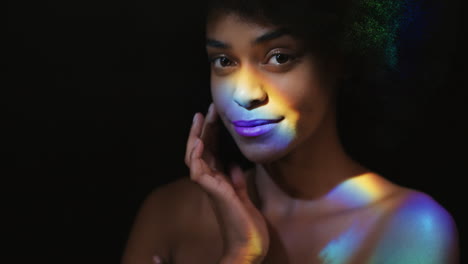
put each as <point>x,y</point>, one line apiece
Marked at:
<point>276,107</point>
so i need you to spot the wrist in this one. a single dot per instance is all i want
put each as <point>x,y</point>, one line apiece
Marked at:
<point>252,253</point>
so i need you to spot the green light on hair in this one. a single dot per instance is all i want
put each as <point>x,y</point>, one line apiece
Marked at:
<point>374,28</point>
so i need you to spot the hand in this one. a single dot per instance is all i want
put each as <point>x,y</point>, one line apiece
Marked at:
<point>157,260</point>
<point>243,227</point>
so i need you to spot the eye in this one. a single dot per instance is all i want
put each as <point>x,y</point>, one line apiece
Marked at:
<point>221,62</point>
<point>280,58</point>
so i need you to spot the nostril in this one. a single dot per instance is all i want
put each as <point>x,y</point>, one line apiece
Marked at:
<point>256,103</point>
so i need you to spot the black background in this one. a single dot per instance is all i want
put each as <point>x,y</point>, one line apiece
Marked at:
<point>98,99</point>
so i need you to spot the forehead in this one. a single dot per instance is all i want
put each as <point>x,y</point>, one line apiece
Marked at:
<point>230,29</point>
<point>232,24</point>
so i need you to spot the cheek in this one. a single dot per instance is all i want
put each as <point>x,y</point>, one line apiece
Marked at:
<point>302,84</point>
<point>306,98</point>
<point>218,93</point>
<point>220,96</point>
<point>300,92</point>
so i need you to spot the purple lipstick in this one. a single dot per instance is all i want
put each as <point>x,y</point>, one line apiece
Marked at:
<point>256,127</point>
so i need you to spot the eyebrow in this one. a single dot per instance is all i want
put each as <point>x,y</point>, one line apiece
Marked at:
<point>261,39</point>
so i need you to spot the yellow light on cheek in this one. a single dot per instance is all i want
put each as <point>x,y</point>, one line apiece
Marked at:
<point>278,104</point>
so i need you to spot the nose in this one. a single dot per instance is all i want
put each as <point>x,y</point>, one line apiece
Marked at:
<point>249,92</point>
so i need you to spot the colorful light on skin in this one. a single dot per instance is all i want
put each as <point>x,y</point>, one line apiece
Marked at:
<point>254,250</point>
<point>415,232</point>
<point>355,192</point>
<point>255,127</point>
<point>287,89</point>
<point>360,191</point>
<point>423,232</point>
<point>341,249</point>
<point>277,107</point>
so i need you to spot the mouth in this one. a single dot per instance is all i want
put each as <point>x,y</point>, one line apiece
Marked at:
<point>256,127</point>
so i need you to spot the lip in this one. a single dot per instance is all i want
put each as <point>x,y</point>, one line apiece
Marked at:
<point>256,127</point>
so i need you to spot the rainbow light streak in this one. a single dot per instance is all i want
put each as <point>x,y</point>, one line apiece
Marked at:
<point>340,250</point>
<point>421,228</point>
<point>277,104</point>
<point>352,193</point>
<point>423,231</point>
<point>418,231</point>
<point>357,191</point>
<point>256,248</point>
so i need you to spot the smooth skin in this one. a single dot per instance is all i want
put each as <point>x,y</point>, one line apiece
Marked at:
<point>295,206</point>
<point>245,236</point>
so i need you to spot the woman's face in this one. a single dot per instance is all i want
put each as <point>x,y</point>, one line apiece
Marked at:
<point>265,87</point>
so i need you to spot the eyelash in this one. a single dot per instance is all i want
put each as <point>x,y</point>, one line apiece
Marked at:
<point>214,59</point>
<point>290,57</point>
<point>275,53</point>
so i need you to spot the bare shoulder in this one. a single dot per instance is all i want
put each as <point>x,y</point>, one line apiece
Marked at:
<point>173,197</point>
<point>417,230</point>
<point>160,221</point>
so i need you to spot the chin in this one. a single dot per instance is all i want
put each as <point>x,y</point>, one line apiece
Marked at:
<point>261,157</point>
<point>263,152</point>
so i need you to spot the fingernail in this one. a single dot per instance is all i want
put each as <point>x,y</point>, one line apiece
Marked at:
<point>194,118</point>
<point>197,141</point>
<point>210,109</point>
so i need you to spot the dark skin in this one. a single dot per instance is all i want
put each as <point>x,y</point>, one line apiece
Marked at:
<point>298,205</point>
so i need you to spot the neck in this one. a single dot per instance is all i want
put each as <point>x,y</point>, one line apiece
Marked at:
<point>307,174</point>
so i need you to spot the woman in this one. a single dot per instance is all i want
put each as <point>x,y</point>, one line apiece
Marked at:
<point>275,84</point>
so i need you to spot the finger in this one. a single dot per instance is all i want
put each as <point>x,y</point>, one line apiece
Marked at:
<point>212,181</point>
<point>210,137</point>
<point>217,186</point>
<point>197,150</point>
<point>210,164</point>
<point>195,132</point>
<point>238,177</point>
<point>197,164</point>
<point>210,129</point>
<point>157,260</point>
<point>240,183</point>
